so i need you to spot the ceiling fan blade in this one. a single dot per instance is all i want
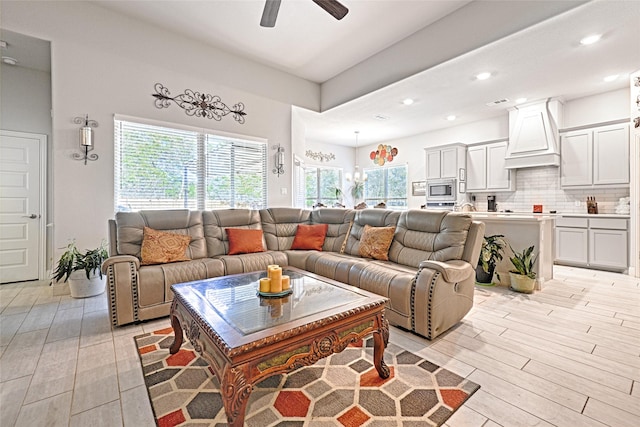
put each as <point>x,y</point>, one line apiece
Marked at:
<point>334,7</point>
<point>270,13</point>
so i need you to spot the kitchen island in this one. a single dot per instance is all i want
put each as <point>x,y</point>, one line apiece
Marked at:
<point>522,230</point>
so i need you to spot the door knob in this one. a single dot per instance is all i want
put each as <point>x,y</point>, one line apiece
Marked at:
<point>32,216</point>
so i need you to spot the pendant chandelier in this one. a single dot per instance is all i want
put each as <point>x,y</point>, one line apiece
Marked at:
<point>357,179</point>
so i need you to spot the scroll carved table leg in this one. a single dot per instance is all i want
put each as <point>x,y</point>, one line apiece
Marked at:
<point>177,332</point>
<point>236,390</point>
<point>380,340</point>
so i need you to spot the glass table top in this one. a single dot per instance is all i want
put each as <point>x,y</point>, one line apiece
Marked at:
<point>236,300</point>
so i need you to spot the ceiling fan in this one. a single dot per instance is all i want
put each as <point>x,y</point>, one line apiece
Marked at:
<point>271,7</point>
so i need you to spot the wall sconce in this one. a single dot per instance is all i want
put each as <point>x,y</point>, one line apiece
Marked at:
<point>279,160</point>
<point>86,138</point>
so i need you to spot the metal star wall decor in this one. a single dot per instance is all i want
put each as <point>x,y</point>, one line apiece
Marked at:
<point>198,104</point>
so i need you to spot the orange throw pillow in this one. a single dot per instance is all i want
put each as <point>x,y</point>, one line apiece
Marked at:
<point>376,241</point>
<point>244,241</point>
<point>310,236</point>
<point>159,247</point>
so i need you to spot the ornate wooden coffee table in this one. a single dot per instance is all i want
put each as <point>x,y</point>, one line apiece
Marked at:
<point>246,338</point>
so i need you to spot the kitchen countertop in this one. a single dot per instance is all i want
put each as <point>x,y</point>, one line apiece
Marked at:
<point>527,215</point>
<point>511,216</point>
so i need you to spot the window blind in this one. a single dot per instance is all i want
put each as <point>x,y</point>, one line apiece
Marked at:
<point>388,185</point>
<point>158,167</point>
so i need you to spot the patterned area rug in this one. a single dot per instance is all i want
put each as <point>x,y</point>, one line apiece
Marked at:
<point>341,390</point>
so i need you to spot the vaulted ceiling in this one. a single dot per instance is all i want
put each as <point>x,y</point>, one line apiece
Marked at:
<point>384,51</point>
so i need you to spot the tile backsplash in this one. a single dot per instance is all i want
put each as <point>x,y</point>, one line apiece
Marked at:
<point>541,186</point>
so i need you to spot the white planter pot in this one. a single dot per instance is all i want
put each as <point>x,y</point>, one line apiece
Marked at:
<point>81,287</point>
<point>522,283</point>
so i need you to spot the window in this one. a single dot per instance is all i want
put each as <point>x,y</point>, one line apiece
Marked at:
<point>388,185</point>
<point>321,185</point>
<point>158,167</point>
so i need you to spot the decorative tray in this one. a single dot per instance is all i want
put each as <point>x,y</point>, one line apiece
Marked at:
<point>275,294</point>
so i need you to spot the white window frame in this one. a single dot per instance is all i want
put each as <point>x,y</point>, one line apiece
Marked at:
<point>371,201</point>
<point>200,162</point>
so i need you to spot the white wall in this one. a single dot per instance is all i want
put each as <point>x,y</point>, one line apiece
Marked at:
<point>603,107</point>
<point>105,64</point>
<point>25,106</point>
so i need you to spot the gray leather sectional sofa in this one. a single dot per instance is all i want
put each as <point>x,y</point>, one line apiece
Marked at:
<point>429,277</point>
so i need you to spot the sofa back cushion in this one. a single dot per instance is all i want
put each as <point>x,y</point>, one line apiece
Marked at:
<point>130,229</point>
<point>373,218</point>
<point>280,225</point>
<point>339,221</point>
<point>215,222</point>
<point>429,235</point>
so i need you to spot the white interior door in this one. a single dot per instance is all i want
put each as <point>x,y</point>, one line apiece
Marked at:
<point>22,204</point>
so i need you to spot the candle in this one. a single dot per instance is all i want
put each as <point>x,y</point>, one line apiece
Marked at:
<point>265,284</point>
<point>285,283</point>
<point>276,279</point>
<point>269,267</point>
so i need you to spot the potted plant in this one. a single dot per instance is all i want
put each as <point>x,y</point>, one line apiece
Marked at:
<point>82,270</point>
<point>523,278</point>
<point>357,191</point>
<point>490,253</point>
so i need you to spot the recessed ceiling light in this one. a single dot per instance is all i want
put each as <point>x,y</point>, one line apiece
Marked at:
<point>521,100</point>
<point>611,78</point>
<point>407,101</point>
<point>594,38</point>
<point>451,117</point>
<point>483,76</point>
<point>9,60</point>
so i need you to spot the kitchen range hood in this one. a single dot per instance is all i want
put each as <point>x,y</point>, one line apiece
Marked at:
<point>533,135</point>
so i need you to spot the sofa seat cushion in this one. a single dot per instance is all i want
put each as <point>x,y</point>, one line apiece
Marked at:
<point>244,263</point>
<point>155,280</point>
<point>298,258</point>
<point>387,282</point>
<point>332,265</point>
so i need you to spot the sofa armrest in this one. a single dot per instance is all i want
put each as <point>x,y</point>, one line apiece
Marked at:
<point>122,285</point>
<point>120,258</point>
<point>443,296</point>
<point>453,271</point>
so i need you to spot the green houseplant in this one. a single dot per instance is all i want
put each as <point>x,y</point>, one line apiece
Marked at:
<point>357,191</point>
<point>490,254</point>
<point>82,270</point>
<point>523,277</point>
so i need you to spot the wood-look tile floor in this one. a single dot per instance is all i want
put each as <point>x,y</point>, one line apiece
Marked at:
<point>568,355</point>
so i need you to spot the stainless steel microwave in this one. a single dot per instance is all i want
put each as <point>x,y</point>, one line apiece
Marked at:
<point>441,190</point>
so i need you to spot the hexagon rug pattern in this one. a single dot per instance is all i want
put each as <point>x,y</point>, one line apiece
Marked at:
<point>341,390</point>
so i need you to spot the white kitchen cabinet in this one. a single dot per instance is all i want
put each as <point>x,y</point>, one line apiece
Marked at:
<point>608,245</point>
<point>486,168</point>
<point>592,242</point>
<point>445,161</point>
<point>572,240</point>
<point>597,156</point>
<point>611,155</point>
